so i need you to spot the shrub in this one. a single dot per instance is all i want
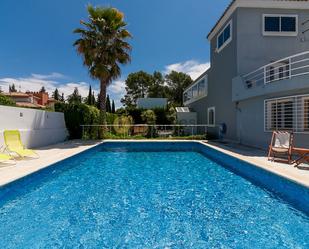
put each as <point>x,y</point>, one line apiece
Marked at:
<point>110,118</point>
<point>149,117</point>
<point>122,125</point>
<point>136,115</point>
<point>77,114</point>
<point>162,116</point>
<point>4,100</point>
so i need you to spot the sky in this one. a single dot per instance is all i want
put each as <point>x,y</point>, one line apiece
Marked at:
<point>36,41</point>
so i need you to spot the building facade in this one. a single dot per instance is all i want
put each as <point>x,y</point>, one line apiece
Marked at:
<point>259,75</point>
<point>31,99</point>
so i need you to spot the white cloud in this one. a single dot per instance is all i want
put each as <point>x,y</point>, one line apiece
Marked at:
<point>117,87</point>
<point>116,91</point>
<point>191,67</point>
<point>48,76</point>
<point>50,82</point>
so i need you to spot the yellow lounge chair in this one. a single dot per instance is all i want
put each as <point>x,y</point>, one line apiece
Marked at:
<point>14,145</point>
<point>4,158</point>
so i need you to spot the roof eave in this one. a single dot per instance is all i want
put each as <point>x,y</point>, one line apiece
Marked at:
<point>282,4</point>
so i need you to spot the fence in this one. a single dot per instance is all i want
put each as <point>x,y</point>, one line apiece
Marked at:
<point>196,132</point>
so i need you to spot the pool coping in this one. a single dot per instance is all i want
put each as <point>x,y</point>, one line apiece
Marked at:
<point>274,168</point>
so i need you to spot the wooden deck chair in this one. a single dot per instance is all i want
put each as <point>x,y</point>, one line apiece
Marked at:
<point>281,145</point>
<point>15,146</point>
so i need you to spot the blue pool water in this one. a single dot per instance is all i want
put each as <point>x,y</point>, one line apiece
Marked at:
<point>152,196</point>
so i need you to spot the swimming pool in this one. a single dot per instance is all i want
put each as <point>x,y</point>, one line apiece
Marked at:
<point>153,195</point>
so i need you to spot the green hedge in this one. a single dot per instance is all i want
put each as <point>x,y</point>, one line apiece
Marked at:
<point>76,115</point>
<point>79,114</point>
<point>4,100</point>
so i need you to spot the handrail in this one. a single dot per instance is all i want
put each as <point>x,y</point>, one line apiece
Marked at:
<point>271,63</point>
<point>271,71</point>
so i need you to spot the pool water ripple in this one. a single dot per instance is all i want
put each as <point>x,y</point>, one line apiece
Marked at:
<point>171,199</point>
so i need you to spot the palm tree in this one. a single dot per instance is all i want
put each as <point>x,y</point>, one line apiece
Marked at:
<point>103,46</point>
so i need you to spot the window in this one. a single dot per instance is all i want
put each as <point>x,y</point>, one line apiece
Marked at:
<point>282,115</point>
<point>201,87</point>
<point>225,37</point>
<point>211,116</point>
<point>288,113</point>
<point>306,114</point>
<point>280,25</point>
<point>196,91</point>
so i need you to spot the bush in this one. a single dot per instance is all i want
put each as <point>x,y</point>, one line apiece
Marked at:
<point>4,100</point>
<point>110,118</point>
<point>77,114</point>
<point>149,117</point>
<point>122,125</point>
<point>162,116</point>
<point>136,115</point>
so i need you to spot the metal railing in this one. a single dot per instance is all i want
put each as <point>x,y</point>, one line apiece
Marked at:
<point>144,131</point>
<point>286,68</point>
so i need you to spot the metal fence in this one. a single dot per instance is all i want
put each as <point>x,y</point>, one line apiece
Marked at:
<point>144,131</point>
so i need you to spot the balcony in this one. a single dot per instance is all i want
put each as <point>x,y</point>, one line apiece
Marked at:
<point>286,74</point>
<point>196,91</point>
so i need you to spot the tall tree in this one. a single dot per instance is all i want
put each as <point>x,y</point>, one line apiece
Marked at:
<point>93,99</point>
<point>43,90</point>
<point>12,88</point>
<point>103,46</point>
<point>89,97</point>
<point>177,82</point>
<point>113,107</point>
<point>108,104</point>
<point>75,97</point>
<point>137,86</point>
<point>56,94</point>
<point>98,103</point>
<point>62,98</point>
<point>157,89</point>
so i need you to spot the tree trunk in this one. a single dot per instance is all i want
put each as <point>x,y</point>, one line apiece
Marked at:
<point>103,85</point>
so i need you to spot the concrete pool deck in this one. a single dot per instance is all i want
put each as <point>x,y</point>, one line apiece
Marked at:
<point>48,156</point>
<point>55,153</point>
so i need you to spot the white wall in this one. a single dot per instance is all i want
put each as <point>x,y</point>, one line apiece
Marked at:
<point>38,128</point>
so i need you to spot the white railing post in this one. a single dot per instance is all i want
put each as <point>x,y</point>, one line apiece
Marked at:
<point>265,76</point>
<point>290,68</point>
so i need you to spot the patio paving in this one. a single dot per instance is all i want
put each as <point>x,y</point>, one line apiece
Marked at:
<point>48,155</point>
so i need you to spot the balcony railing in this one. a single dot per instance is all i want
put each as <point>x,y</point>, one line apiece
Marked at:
<point>286,68</point>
